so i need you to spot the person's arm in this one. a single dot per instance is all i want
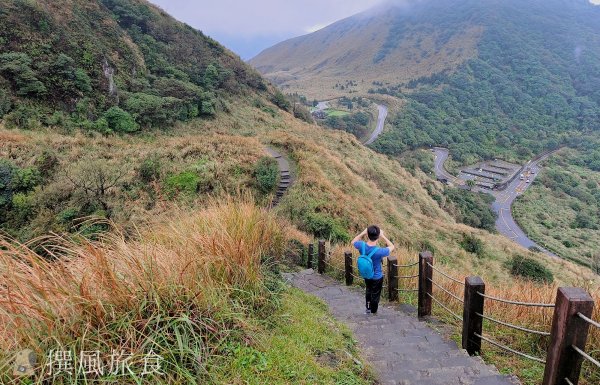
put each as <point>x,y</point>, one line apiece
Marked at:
<point>389,244</point>
<point>359,236</point>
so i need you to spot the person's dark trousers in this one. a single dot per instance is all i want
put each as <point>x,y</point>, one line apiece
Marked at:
<point>373,294</point>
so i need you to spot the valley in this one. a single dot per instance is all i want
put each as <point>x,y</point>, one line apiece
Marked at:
<point>499,88</point>
<point>161,197</point>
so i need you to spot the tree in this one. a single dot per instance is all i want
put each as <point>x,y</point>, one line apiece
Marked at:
<point>211,77</point>
<point>17,66</point>
<point>119,120</point>
<point>95,180</point>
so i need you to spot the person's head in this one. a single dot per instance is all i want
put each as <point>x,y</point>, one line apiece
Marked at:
<point>373,233</point>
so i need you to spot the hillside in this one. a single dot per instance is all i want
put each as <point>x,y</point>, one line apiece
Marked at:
<point>128,226</point>
<point>387,44</point>
<point>110,65</point>
<point>484,78</point>
<point>52,178</point>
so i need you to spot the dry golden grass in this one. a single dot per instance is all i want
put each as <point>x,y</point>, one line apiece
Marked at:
<point>108,293</point>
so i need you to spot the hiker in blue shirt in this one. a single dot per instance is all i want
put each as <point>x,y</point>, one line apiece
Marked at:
<point>375,284</point>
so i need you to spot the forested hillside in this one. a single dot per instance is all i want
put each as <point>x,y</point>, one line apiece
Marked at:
<point>533,86</point>
<point>110,66</point>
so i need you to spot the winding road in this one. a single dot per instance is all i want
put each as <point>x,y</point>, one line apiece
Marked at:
<point>441,155</point>
<point>505,223</point>
<point>383,112</point>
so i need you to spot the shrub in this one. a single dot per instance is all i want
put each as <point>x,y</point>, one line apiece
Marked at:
<point>119,120</point>
<point>281,101</point>
<point>186,182</point>
<point>266,173</point>
<point>5,102</point>
<point>530,269</point>
<point>67,216</point>
<point>6,176</point>
<point>46,164</point>
<point>22,208</point>
<point>472,244</point>
<point>324,226</point>
<point>149,170</point>
<point>569,244</point>
<point>17,66</point>
<point>152,110</point>
<point>25,180</point>
<point>23,116</point>
<point>584,221</point>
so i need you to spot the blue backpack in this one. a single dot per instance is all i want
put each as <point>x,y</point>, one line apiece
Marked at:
<point>365,263</point>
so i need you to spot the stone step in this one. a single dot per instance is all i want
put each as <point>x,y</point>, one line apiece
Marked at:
<point>400,348</point>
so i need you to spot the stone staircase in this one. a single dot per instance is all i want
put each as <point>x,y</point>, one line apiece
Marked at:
<point>285,177</point>
<point>401,349</point>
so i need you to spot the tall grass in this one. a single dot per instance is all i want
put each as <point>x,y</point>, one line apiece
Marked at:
<point>178,289</point>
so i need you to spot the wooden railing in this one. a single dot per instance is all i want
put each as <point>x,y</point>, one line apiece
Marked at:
<point>570,324</point>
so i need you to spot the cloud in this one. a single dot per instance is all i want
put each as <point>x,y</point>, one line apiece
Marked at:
<point>262,17</point>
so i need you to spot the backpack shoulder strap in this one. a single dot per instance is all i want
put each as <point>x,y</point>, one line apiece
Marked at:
<point>362,248</point>
<point>372,253</point>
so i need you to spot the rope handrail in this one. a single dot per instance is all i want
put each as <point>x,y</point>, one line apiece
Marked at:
<point>404,266</point>
<point>446,291</point>
<point>334,267</point>
<point>533,304</point>
<point>408,276</point>
<point>513,326</point>
<point>497,344</point>
<point>588,320</point>
<point>445,308</point>
<point>445,275</point>
<point>586,356</point>
<point>408,290</point>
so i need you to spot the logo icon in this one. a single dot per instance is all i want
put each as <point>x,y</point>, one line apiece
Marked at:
<point>25,363</point>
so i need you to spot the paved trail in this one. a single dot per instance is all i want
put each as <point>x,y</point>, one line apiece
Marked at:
<point>383,112</point>
<point>401,350</point>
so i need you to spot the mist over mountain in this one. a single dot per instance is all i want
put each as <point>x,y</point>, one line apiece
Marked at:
<point>482,77</point>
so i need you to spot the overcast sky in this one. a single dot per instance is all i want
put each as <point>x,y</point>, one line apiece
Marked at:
<point>249,26</point>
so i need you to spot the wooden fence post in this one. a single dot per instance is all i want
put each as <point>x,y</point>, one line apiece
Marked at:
<point>348,268</point>
<point>425,285</point>
<point>321,266</point>
<point>311,252</point>
<point>472,321</point>
<point>567,330</point>
<point>392,264</point>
